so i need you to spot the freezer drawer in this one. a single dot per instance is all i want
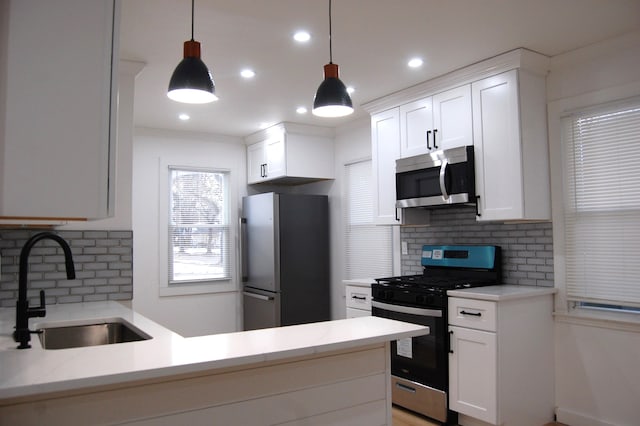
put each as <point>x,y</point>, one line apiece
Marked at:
<point>261,309</point>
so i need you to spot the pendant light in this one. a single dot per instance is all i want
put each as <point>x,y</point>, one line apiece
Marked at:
<point>332,98</point>
<point>191,82</point>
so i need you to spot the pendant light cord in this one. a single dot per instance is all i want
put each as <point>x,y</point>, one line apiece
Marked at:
<point>330,47</point>
<point>192,16</point>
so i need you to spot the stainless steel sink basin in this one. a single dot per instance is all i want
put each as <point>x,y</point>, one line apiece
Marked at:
<point>105,332</point>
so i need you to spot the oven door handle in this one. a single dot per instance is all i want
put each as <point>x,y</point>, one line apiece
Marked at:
<point>408,309</point>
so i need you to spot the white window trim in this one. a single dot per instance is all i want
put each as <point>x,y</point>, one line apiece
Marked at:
<point>184,289</point>
<point>556,110</point>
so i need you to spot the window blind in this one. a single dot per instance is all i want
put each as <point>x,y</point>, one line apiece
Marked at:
<point>368,246</point>
<point>198,226</point>
<point>602,205</point>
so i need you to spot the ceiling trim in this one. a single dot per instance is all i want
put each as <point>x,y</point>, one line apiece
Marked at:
<point>519,58</point>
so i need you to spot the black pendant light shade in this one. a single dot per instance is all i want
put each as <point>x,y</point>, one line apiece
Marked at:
<point>191,82</point>
<point>332,98</point>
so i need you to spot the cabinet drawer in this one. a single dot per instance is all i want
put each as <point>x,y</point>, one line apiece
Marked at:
<point>472,313</point>
<point>358,297</point>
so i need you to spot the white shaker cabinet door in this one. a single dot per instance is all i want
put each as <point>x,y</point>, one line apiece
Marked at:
<point>473,374</point>
<point>256,162</point>
<point>385,149</point>
<point>452,118</point>
<point>497,147</point>
<point>59,127</point>
<point>416,128</point>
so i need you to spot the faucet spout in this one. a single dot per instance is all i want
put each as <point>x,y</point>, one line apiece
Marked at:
<point>22,334</point>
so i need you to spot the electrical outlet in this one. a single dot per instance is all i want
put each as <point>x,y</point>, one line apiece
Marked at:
<point>405,249</point>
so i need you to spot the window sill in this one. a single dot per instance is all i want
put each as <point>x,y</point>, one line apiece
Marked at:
<point>191,289</point>
<point>592,318</point>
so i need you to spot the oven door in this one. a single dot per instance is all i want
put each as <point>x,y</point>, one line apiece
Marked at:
<point>421,359</point>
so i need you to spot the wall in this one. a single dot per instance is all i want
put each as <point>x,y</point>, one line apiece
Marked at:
<point>527,248</point>
<point>352,143</point>
<point>194,314</point>
<point>597,374</point>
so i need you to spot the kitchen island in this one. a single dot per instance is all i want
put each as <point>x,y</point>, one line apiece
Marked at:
<point>322,373</point>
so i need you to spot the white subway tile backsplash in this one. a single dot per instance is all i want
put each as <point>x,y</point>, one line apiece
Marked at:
<point>527,248</point>
<point>102,259</point>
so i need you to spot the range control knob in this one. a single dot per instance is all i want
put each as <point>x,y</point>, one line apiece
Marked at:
<point>420,298</point>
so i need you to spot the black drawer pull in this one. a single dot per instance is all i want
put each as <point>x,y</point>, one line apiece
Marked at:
<point>405,388</point>
<point>359,297</point>
<point>475,314</point>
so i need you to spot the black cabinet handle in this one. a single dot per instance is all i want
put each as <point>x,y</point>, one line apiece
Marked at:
<point>434,138</point>
<point>475,314</point>
<point>450,340</point>
<point>397,218</point>
<point>478,206</point>
<point>428,133</point>
<point>359,297</point>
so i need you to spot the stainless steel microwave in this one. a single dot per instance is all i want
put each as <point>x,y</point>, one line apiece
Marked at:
<point>438,178</point>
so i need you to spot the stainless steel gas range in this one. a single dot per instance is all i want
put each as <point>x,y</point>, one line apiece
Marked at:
<point>419,366</point>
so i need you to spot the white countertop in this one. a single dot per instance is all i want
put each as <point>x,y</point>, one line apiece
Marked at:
<point>361,282</point>
<point>35,371</point>
<point>498,293</point>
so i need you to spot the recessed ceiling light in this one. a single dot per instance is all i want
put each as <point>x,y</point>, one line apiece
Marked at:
<point>350,89</point>
<point>247,73</point>
<point>415,62</point>
<point>184,117</point>
<point>301,110</point>
<point>302,36</point>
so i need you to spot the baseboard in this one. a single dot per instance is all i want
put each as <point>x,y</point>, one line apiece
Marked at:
<point>573,418</point>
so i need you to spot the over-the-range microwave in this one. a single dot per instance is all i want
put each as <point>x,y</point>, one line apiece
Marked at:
<point>437,178</point>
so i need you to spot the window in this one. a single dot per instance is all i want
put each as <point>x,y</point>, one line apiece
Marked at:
<point>602,206</point>
<point>368,246</point>
<point>198,232</point>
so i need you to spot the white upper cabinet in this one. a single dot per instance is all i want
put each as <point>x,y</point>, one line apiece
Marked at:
<point>290,153</point>
<point>266,159</point>
<point>499,107</point>
<point>58,128</point>
<point>441,121</point>
<point>385,149</point>
<point>511,150</point>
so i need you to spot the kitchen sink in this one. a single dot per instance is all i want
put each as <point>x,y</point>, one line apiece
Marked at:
<point>98,332</point>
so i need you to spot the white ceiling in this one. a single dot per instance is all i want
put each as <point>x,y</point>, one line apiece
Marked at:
<point>372,42</point>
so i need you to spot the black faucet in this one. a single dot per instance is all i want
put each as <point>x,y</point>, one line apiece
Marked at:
<point>23,311</point>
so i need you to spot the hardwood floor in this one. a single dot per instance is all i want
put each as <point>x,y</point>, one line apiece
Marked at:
<point>402,417</point>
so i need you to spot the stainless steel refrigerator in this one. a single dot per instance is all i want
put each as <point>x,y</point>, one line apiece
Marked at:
<point>285,259</point>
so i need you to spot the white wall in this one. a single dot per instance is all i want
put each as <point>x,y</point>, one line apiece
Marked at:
<point>188,315</point>
<point>597,363</point>
<point>352,143</point>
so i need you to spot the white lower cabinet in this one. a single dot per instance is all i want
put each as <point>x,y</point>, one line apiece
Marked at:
<point>475,388</point>
<point>501,358</point>
<point>358,300</point>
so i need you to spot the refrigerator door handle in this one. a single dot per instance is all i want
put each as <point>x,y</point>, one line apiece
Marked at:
<point>258,296</point>
<point>244,250</point>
